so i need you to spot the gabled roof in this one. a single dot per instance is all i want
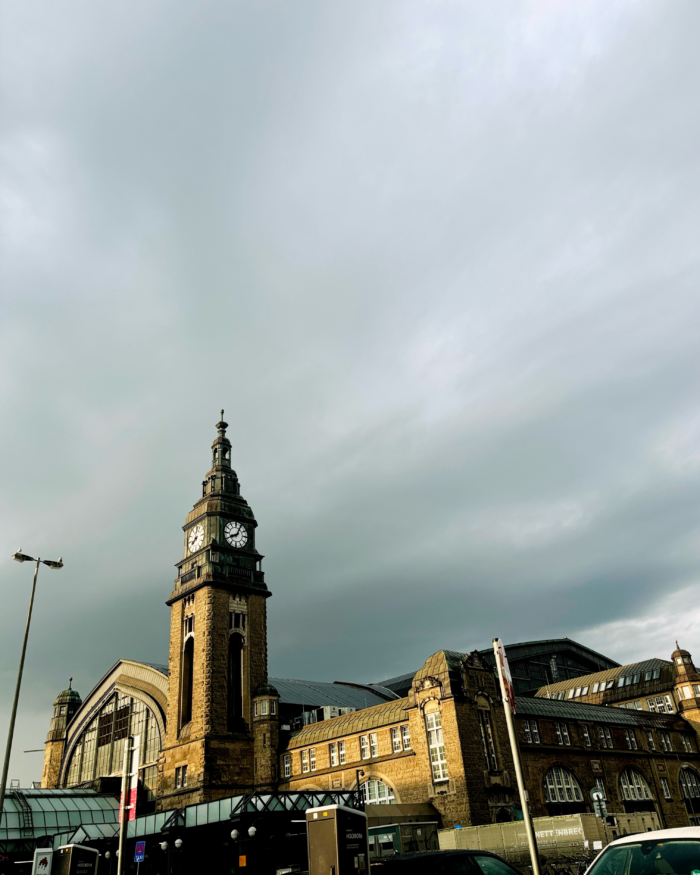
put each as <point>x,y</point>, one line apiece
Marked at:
<point>347,724</point>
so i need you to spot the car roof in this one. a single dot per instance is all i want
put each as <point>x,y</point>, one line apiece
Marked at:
<point>390,862</point>
<point>683,832</point>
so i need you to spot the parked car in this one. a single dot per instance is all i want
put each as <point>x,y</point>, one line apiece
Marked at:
<point>663,852</point>
<point>444,863</point>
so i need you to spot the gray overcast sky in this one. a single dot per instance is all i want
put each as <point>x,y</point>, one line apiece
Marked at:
<point>437,260</point>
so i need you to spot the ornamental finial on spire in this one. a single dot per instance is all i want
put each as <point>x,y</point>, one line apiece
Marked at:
<point>222,426</point>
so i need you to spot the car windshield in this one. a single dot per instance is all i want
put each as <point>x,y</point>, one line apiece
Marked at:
<point>652,857</point>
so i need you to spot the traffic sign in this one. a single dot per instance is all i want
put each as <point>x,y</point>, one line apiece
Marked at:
<point>139,852</point>
<point>599,806</point>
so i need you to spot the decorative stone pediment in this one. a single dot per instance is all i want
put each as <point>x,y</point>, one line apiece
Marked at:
<point>427,683</point>
<point>475,660</point>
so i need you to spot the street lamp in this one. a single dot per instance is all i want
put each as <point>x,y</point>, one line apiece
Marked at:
<point>359,773</point>
<point>19,556</point>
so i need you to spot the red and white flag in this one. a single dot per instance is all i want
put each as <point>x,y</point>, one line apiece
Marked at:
<point>507,680</point>
<point>133,778</point>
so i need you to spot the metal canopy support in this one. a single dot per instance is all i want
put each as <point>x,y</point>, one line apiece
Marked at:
<point>176,819</point>
<point>256,803</point>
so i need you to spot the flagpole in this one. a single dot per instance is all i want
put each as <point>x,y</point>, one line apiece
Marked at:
<point>509,708</point>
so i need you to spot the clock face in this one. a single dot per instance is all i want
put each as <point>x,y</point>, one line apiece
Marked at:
<point>195,539</point>
<point>236,534</point>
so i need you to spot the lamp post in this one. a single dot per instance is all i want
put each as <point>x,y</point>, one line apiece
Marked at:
<point>19,556</point>
<point>359,773</point>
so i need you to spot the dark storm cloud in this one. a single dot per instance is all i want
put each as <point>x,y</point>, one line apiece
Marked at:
<point>437,261</point>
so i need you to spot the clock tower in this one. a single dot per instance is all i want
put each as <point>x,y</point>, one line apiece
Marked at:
<point>218,647</point>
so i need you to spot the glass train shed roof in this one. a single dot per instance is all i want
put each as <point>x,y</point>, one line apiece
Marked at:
<point>30,814</point>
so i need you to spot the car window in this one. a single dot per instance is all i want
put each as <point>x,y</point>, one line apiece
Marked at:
<point>454,864</point>
<point>653,857</point>
<point>493,866</point>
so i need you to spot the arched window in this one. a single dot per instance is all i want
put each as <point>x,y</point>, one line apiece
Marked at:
<point>689,780</point>
<point>634,786</point>
<point>235,680</point>
<point>487,743</point>
<point>187,681</point>
<point>562,786</point>
<point>377,793</point>
<point>99,752</point>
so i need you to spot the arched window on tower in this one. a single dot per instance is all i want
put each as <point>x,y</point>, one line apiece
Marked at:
<point>187,681</point>
<point>235,680</point>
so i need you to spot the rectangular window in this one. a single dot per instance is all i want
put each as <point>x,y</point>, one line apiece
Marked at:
<point>263,706</point>
<point>696,689</point>
<point>628,680</point>
<point>286,765</point>
<point>650,740</point>
<point>562,731</point>
<point>304,761</point>
<point>273,706</point>
<point>577,693</point>
<point>605,737</point>
<point>595,688</point>
<point>364,747</point>
<point>647,675</point>
<point>532,732</point>
<point>631,739</point>
<point>665,788</point>
<point>373,747</point>
<point>669,704</point>
<point>406,737</point>
<point>178,778</point>
<point>584,691</point>
<point>620,682</point>
<point>333,754</point>
<point>665,742</point>
<point>255,709</point>
<point>610,685</point>
<point>184,776</point>
<point>341,752</point>
<point>636,678</point>
<point>638,706</point>
<point>436,745</point>
<point>687,743</point>
<point>571,694</point>
<point>312,758</point>
<point>395,740</point>
<point>651,705</point>
<point>600,785</point>
<point>657,672</point>
<point>586,735</point>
